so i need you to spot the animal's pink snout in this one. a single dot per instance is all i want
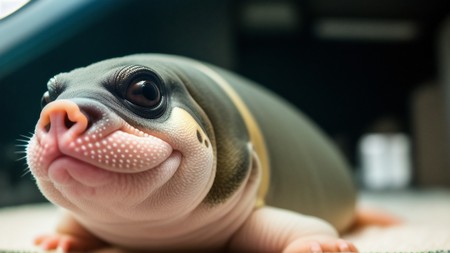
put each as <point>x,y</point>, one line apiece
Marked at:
<point>63,116</point>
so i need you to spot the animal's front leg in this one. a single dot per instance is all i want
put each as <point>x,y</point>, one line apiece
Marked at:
<point>271,229</point>
<point>69,236</point>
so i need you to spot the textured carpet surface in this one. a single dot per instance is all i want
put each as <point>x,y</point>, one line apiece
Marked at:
<point>426,214</point>
<point>426,227</point>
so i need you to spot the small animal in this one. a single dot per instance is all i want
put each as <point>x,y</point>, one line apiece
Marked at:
<point>158,153</point>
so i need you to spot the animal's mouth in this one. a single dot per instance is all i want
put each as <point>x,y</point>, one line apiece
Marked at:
<point>92,160</point>
<point>68,171</point>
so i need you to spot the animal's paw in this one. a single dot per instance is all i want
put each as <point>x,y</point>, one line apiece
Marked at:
<point>66,242</point>
<point>320,246</point>
<point>59,242</point>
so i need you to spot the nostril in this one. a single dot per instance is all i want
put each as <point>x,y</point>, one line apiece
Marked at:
<point>67,122</point>
<point>93,115</point>
<point>47,127</point>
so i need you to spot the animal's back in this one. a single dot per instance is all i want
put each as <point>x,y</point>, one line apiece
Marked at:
<point>307,173</point>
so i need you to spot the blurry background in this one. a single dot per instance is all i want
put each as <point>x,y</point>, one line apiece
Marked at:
<point>374,74</point>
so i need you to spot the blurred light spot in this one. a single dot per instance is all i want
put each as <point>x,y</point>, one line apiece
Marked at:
<point>385,161</point>
<point>361,29</point>
<point>273,16</point>
<point>8,7</point>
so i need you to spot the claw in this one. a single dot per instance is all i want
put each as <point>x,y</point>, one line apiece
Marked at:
<point>316,248</point>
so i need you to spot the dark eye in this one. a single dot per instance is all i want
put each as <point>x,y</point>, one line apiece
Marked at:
<point>45,99</point>
<point>145,93</point>
<point>141,90</point>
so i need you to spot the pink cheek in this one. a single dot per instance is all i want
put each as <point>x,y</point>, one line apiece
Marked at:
<point>39,157</point>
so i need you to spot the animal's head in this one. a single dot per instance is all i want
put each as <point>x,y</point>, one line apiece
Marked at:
<point>131,137</point>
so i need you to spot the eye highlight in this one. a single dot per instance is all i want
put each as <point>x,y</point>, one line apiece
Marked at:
<point>145,93</point>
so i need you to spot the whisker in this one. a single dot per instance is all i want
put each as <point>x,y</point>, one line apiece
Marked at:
<point>22,145</point>
<point>29,134</point>
<point>24,138</point>
<point>27,171</point>
<point>22,158</point>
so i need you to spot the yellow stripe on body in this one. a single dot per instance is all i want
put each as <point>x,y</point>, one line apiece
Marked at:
<point>256,136</point>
